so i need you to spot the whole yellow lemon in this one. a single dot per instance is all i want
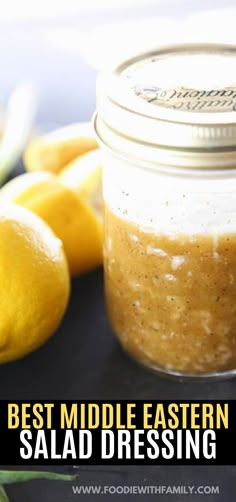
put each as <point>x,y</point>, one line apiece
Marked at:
<point>34,282</point>
<point>69,215</point>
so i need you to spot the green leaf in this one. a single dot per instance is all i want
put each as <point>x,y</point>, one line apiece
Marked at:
<point>3,495</point>
<point>8,477</point>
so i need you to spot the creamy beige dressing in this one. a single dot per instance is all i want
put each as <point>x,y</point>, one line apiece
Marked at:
<point>172,300</point>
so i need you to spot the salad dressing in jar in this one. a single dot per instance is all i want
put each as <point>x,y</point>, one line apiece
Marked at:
<point>167,126</point>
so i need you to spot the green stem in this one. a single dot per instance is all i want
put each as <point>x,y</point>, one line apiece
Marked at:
<point>8,477</point>
<point>3,495</point>
<point>18,122</point>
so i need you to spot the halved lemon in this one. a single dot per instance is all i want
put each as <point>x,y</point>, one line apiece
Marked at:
<point>51,152</point>
<point>84,175</point>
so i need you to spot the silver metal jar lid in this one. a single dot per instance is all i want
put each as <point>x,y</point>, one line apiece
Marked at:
<point>175,105</point>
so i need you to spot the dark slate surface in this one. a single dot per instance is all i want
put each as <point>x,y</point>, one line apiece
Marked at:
<point>83,360</point>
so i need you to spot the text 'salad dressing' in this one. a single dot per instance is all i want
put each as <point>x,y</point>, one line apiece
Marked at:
<point>167,125</point>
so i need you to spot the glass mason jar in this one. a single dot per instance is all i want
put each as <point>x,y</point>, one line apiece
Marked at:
<point>166,123</point>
